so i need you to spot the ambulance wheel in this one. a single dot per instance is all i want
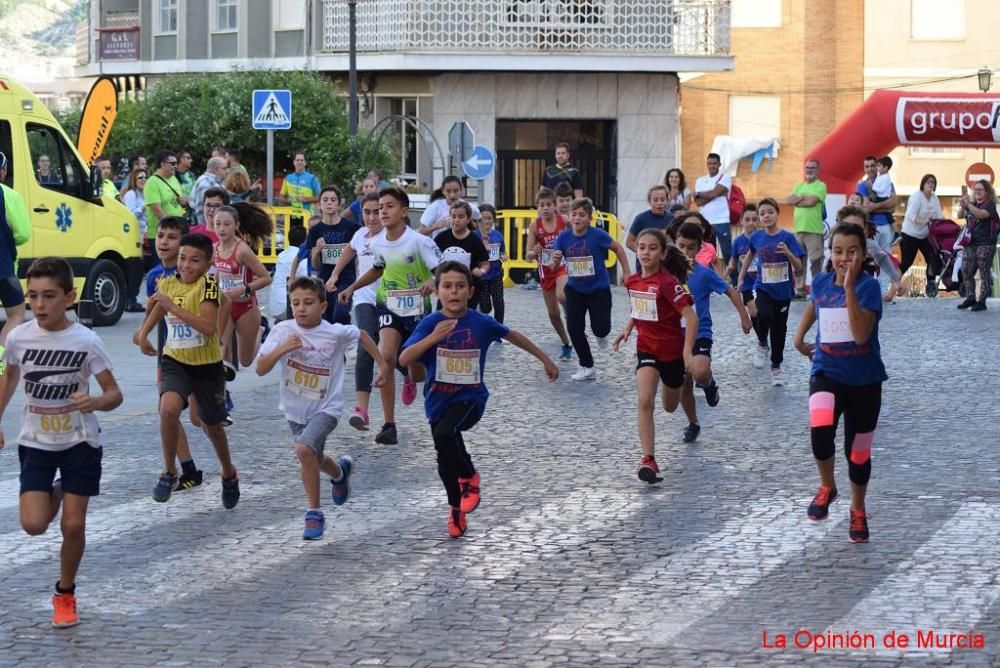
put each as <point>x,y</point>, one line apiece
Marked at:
<point>107,288</point>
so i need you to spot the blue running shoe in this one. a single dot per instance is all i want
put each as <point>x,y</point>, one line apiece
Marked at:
<point>164,487</point>
<point>567,353</point>
<point>341,491</point>
<point>315,523</point>
<point>691,432</point>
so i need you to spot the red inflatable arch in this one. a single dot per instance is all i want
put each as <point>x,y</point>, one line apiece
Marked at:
<point>890,118</point>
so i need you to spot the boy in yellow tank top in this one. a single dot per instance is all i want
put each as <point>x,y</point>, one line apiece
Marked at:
<point>192,362</point>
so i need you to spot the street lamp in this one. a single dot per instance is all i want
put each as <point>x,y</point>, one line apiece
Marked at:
<point>985,75</point>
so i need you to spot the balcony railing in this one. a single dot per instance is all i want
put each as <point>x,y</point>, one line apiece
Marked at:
<point>640,27</point>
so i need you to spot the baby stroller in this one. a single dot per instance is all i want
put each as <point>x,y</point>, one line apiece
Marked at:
<point>943,235</point>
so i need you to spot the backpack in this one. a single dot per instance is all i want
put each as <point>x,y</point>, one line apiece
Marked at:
<point>737,202</point>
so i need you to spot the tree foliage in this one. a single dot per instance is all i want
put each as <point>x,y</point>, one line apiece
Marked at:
<point>202,111</point>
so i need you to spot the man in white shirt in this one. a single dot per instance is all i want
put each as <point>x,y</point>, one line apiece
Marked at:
<point>436,218</point>
<point>712,197</point>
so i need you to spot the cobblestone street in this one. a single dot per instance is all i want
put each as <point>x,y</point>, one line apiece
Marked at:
<point>570,560</point>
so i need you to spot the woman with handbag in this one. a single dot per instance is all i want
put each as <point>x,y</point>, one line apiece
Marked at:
<point>982,226</point>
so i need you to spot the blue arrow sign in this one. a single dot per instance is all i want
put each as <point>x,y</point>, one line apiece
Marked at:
<point>480,164</point>
<point>272,110</point>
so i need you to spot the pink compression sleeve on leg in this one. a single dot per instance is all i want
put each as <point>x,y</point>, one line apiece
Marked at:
<point>821,409</point>
<point>861,448</point>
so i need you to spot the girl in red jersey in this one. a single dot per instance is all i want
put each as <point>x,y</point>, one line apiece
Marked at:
<point>541,237</point>
<point>240,274</point>
<point>660,303</point>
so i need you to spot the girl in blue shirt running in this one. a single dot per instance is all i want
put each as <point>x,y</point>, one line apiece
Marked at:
<point>847,370</point>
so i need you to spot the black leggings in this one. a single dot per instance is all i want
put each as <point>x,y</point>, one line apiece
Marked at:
<point>453,459</point>
<point>491,297</point>
<point>772,318</point>
<point>908,247</point>
<point>860,406</point>
<point>578,304</point>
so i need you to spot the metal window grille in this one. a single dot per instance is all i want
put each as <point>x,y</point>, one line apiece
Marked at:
<point>657,27</point>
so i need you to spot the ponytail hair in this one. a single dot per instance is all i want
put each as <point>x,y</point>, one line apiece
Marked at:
<point>858,232</point>
<point>254,223</point>
<point>674,260</point>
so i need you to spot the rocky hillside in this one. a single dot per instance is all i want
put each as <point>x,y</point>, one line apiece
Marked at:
<point>41,28</point>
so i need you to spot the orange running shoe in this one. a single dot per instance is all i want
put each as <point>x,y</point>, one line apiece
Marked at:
<point>649,471</point>
<point>470,492</point>
<point>456,522</point>
<point>820,506</point>
<point>64,611</point>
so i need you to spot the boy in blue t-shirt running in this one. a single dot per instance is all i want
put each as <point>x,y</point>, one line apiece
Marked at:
<point>450,346</point>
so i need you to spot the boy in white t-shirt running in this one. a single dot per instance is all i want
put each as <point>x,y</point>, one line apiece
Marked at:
<point>312,352</point>
<point>59,431</point>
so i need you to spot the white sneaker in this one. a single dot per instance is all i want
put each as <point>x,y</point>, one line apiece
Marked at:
<point>583,373</point>
<point>759,357</point>
<point>602,343</point>
<point>776,378</point>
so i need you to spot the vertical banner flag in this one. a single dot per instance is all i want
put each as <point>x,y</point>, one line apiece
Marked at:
<point>99,112</point>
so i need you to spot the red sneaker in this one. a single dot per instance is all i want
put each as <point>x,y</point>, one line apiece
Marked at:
<point>456,523</point>
<point>649,471</point>
<point>409,393</point>
<point>820,506</point>
<point>470,492</point>
<point>64,611</point>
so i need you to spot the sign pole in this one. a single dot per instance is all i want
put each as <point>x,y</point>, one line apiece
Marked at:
<point>270,166</point>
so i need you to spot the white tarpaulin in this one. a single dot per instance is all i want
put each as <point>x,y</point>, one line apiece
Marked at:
<point>734,149</point>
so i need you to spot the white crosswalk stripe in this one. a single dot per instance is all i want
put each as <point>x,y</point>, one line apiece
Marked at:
<point>963,553</point>
<point>746,549</point>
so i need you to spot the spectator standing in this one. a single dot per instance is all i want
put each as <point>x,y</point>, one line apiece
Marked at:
<point>982,225</point>
<point>163,193</point>
<point>711,194</point>
<point>134,201</point>
<point>563,172</point>
<point>215,172</point>
<point>922,207</point>
<point>108,188</point>
<point>184,174</point>
<point>300,189</point>
<point>15,230</point>
<point>808,198</point>
<point>880,213</point>
<point>677,190</point>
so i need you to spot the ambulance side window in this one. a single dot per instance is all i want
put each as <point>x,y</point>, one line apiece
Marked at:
<point>55,166</point>
<point>7,149</point>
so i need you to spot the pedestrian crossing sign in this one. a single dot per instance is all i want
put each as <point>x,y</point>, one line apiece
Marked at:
<point>272,110</point>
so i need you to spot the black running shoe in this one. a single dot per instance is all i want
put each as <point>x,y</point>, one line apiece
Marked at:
<point>859,527</point>
<point>978,306</point>
<point>387,435</point>
<point>820,506</point>
<point>231,492</point>
<point>712,394</point>
<point>966,304</point>
<point>691,432</point>
<point>188,481</point>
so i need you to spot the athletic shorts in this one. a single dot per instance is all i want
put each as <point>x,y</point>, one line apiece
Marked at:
<point>548,281</point>
<point>389,320</point>
<point>11,294</point>
<point>207,382</point>
<point>314,433</point>
<point>703,346</point>
<point>79,467</point>
<point>240,309</point>
<point>671,373</point>
<point>747,296</point>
